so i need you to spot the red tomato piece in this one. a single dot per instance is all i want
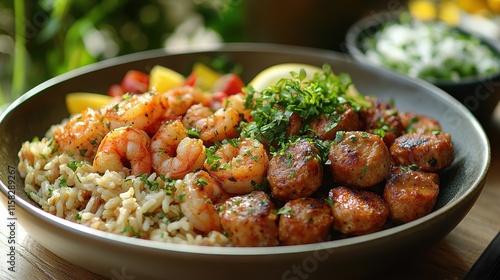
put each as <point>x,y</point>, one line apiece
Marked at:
<point>220,96</point>
<point>135,82</point>
<point>229,83</point>
<point>191,80</point>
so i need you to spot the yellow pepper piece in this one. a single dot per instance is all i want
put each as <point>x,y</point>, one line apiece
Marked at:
<point>76,102</point>
<point>205,76</point>
<point>162,79</point>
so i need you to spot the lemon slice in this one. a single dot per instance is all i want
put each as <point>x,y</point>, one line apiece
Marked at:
<point>273,74</point>
<point>76,102</point>
<point>162,79</point>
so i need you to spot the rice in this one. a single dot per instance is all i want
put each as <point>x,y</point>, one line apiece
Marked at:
<point>113,202</point>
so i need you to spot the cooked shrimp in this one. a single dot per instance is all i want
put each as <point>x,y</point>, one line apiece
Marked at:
<point>196,113</point>
<point>304,221</point>
<point>250,220</point>
<point>174,154</point>
<point>359,159</point>
<point>82,133</point>
<point>221,125</point>
<point>357,211</point>
<point>239,165</point>
<point>124,144</point>
<point>295,173</point>
<point>237,102</point>
<point>138,110</point>
<point>197,196</point>
<point>429,151</point>
<point>178,100</point>
<point>411,194</point>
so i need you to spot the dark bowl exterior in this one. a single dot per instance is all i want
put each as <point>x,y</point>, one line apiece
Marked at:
<point>479,95</point>
<point>105,253</point>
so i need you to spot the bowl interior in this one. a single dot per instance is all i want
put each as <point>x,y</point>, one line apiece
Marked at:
<point>44,105</point>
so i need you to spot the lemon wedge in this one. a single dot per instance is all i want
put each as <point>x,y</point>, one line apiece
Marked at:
<point>273,74</point>
<point>162,79</point>
<point>76,102</point>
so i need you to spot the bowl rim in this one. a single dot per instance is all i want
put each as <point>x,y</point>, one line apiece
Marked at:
<point>359,29</point>
<point>120,240</point>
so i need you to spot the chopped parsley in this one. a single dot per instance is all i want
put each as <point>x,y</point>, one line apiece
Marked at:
<point>152,185</point>
<point>63,182</point>
<point>285,211</point>
<point>201,182</point>
<point>325,94</point>
<point>329,201</point>
<point>73,165</point>
<point>192,132</point>
<point>131,231</point>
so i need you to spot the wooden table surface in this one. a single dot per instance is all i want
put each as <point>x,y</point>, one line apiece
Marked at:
<point>450,259</point>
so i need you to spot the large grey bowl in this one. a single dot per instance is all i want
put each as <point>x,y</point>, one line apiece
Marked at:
<point>362,256</point>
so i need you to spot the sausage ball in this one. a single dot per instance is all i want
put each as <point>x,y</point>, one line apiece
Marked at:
<point>295,173</point>
<point>250,220</point>
<point>357,211</point>
<point>413,122</point>
<point>304,221</point>
<point>431,152</point>
<point>359,159</point>
<point>411,194</point>
<point>327,126</point>
<point>383,118</point>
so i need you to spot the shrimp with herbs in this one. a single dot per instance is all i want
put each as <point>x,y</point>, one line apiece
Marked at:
<point>173,153</point>
<point>223,124</point>
<point>196,113</point>
<point>178,100</point>
<point>238,164</point>
<point>198,197</point>
<point>137,110</point>
<point>124,145</point>
<point>82,134</point>
<point>237,102</point>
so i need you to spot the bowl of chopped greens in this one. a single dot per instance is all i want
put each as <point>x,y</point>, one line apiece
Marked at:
<point>461,63</point>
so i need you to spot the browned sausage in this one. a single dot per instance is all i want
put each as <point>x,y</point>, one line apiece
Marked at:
<point>295,173</point>
<point>411,194</point>
<point>382,119</point>
<point>327,126</point>
<point>250,220</point>
<point>359,159</point>
<point>304,221</point>
<point>413,122</point>
<point>429,151</point>
<point>357,211</point>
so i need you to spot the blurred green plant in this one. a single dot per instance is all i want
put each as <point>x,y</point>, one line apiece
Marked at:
<point>42,39</point>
